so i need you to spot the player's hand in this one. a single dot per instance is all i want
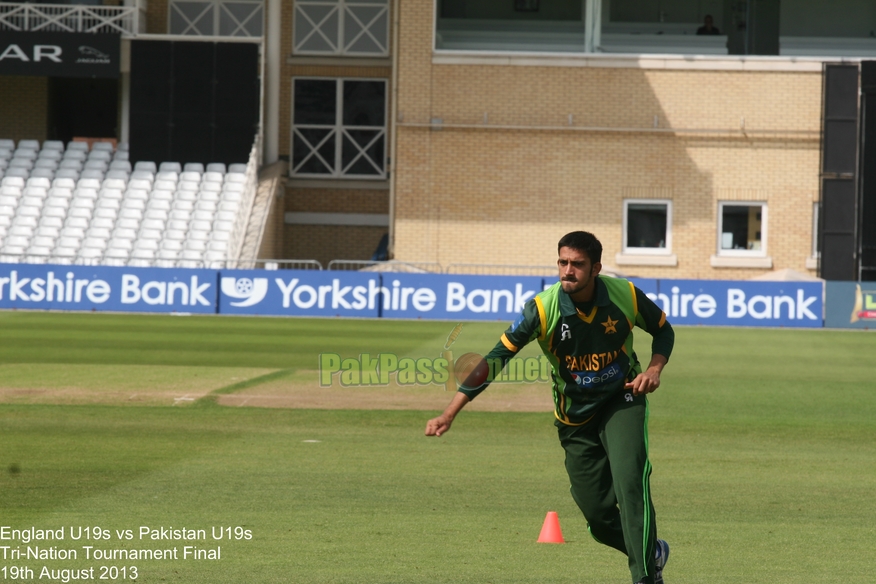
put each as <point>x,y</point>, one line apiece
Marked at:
<point>437,426</point>
<point>644,383</point>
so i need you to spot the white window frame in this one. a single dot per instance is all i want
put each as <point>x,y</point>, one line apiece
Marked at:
<point>668,237</point>
<point>743,253</point>
<point>815,256</point>
<point>215,8</point>
<point>338,130</point>
<point>344,12</point>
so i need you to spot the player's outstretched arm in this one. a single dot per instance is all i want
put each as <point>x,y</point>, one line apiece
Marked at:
<point>441,424</point>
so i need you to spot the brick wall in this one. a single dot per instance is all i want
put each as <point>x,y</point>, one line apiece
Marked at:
<point>507,195</point>
<point>156,17</point>
<point>329,242</point>
<point>24,108</point>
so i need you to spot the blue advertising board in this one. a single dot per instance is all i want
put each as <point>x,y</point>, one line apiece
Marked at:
<point>740,303</point>
<point>457,297</point>
<point>300,293</point>
<point>361,294</point>
<point>403,295</point>
<point>56,287</point>
<point>850,305</point>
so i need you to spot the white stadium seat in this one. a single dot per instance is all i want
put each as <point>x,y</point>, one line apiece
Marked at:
<point>20,163</point>
<point>127,223</point>
<point>100,165</point>
<point>117,174</point>
<point>170,167</point>
<point>67,173</point>
<point>134,203</point>
<point>78,156</point>
<point>144,236</point>
<point>103,146</point>
<point>110,193</point>
<point>146,175</point>
<point>145,165</point>
<point>161,195</point>
<point>128,213</point>
<point>139,184</point>
<point>102,155</point>
<point>47,163</point>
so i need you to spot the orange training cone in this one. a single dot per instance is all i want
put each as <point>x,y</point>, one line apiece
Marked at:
<point>550,531</point>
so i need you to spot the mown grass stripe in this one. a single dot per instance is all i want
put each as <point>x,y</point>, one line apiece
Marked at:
<point>246,384</point>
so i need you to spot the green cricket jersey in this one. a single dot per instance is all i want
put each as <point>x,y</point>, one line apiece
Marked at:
<point>589,346</point>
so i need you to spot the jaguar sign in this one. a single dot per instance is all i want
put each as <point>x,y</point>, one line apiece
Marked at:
<point>59,54</point>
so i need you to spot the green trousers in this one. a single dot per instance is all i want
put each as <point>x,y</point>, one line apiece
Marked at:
<point>607,462</point>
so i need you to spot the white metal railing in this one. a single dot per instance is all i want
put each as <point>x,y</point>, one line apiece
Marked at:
<point>70,18</point>
<point>235,243</point>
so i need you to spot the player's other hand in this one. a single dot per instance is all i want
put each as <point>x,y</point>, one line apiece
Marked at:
<point>437,426</point>
<point>644,383</point>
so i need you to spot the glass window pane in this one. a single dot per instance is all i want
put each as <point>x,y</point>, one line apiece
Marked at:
<point>192,18</point>
<point>368,163</point>
<point>364,103</point>
<point>240,19</point>
<point>315,102</point>
<point>741,227</point>
<point>646,225</point>
<point>313,151</point>
<point>316,28</point>
<point>366,29</point>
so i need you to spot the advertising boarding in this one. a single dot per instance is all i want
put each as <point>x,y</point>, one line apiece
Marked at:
<point>301,293</point>
<point>850,305</point>
<point>740,303</point>
<point>411,296</point>
<point>372,295</point>
<point>56,287</point>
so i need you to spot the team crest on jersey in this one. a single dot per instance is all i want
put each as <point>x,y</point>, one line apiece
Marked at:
<point>610,326</point>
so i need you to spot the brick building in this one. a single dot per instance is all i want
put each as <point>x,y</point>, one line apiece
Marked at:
<point>480,132</point>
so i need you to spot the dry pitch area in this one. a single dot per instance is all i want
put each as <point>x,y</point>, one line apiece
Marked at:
<point>162,385</point>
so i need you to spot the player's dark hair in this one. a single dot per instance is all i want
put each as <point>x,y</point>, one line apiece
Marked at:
<point>584,242</point>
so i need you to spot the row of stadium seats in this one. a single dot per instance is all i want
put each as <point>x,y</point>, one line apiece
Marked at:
<point>166,215</point>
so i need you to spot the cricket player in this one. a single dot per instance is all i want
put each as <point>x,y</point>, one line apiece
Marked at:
<point>584,324</point>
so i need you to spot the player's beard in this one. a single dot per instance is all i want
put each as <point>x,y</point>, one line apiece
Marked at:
<point>571,287</point>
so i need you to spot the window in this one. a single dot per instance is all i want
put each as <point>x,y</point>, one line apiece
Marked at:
<point>239,18</point>
<point>647,226</point>
<point>339,128</point>
<point>742,229</point>
<point>341,27</point>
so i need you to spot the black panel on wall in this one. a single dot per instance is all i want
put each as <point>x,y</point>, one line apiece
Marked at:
<point>839,161</point>
<point>838,219</point>
<point>868,171</point>
<point>151,96</point>
<point>193,101</point>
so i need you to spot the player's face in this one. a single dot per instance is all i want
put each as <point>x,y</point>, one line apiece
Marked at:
<point>577,273</point>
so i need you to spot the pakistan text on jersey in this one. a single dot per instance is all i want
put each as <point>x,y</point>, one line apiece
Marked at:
<point>591,361</point>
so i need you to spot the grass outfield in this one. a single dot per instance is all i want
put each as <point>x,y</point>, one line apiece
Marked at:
<point>762,442</point>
